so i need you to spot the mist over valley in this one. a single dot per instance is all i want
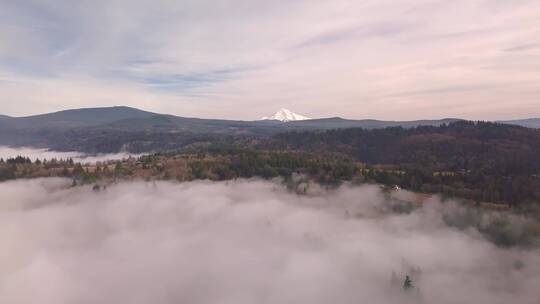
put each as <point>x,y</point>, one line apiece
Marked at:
<point>244,241</point>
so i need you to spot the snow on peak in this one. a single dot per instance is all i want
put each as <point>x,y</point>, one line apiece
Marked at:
<point>285,115</point>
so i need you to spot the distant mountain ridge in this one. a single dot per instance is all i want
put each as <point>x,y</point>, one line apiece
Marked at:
<point>81,117</point>
<point>528,123</point>
<point>110,129</point>
<point>341,123</point>
<point>285,115</point>
<point>132,118</point>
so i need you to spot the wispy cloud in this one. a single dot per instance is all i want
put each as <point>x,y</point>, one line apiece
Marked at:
<point>523,47</point>
<point>184,82</point>
<point>247,58</point>
<point>383,30</point>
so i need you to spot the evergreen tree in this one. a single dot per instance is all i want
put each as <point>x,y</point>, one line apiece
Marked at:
<point>118,169</point>
<point>407,284</point>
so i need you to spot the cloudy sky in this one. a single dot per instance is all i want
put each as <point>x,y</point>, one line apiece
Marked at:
<point>385,59</point>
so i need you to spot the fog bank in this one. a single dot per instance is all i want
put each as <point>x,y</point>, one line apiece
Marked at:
<point>243,242</point>
<point>33,154</point>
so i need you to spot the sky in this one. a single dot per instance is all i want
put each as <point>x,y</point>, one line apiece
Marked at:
<point>383,59</point>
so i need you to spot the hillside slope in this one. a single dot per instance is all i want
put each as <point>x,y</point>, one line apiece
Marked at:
<point>78,117</point>
<point>100,130</point>
<point>528,123</point>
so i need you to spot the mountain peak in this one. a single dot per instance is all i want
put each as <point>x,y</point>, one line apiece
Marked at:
<point>285,116</point>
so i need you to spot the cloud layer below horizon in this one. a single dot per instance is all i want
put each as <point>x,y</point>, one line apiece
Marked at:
<point>242,242</point>
<point>45,154</point>
<point>475,59</point>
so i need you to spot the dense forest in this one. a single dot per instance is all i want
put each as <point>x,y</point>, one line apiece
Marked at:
<point>462,146</point>
<point>483,162</point>
<point>478,160</point>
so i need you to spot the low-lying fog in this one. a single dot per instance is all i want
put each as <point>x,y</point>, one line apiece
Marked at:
<point>243,242</point>
<point>33,154</point>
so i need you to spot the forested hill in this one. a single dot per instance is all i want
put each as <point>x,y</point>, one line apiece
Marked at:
<point>529,123</point>
<point>107,130</point>
<point>482,161</point>
<point>111,129</point>
<point>480,146</point>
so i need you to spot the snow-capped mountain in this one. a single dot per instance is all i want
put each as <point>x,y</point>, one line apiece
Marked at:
<point>285,115</point>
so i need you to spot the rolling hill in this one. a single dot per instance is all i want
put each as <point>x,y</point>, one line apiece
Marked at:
<point>79,117</point>
<point>340,123</point>
<point>123,128</point>
<point>528,123</point>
